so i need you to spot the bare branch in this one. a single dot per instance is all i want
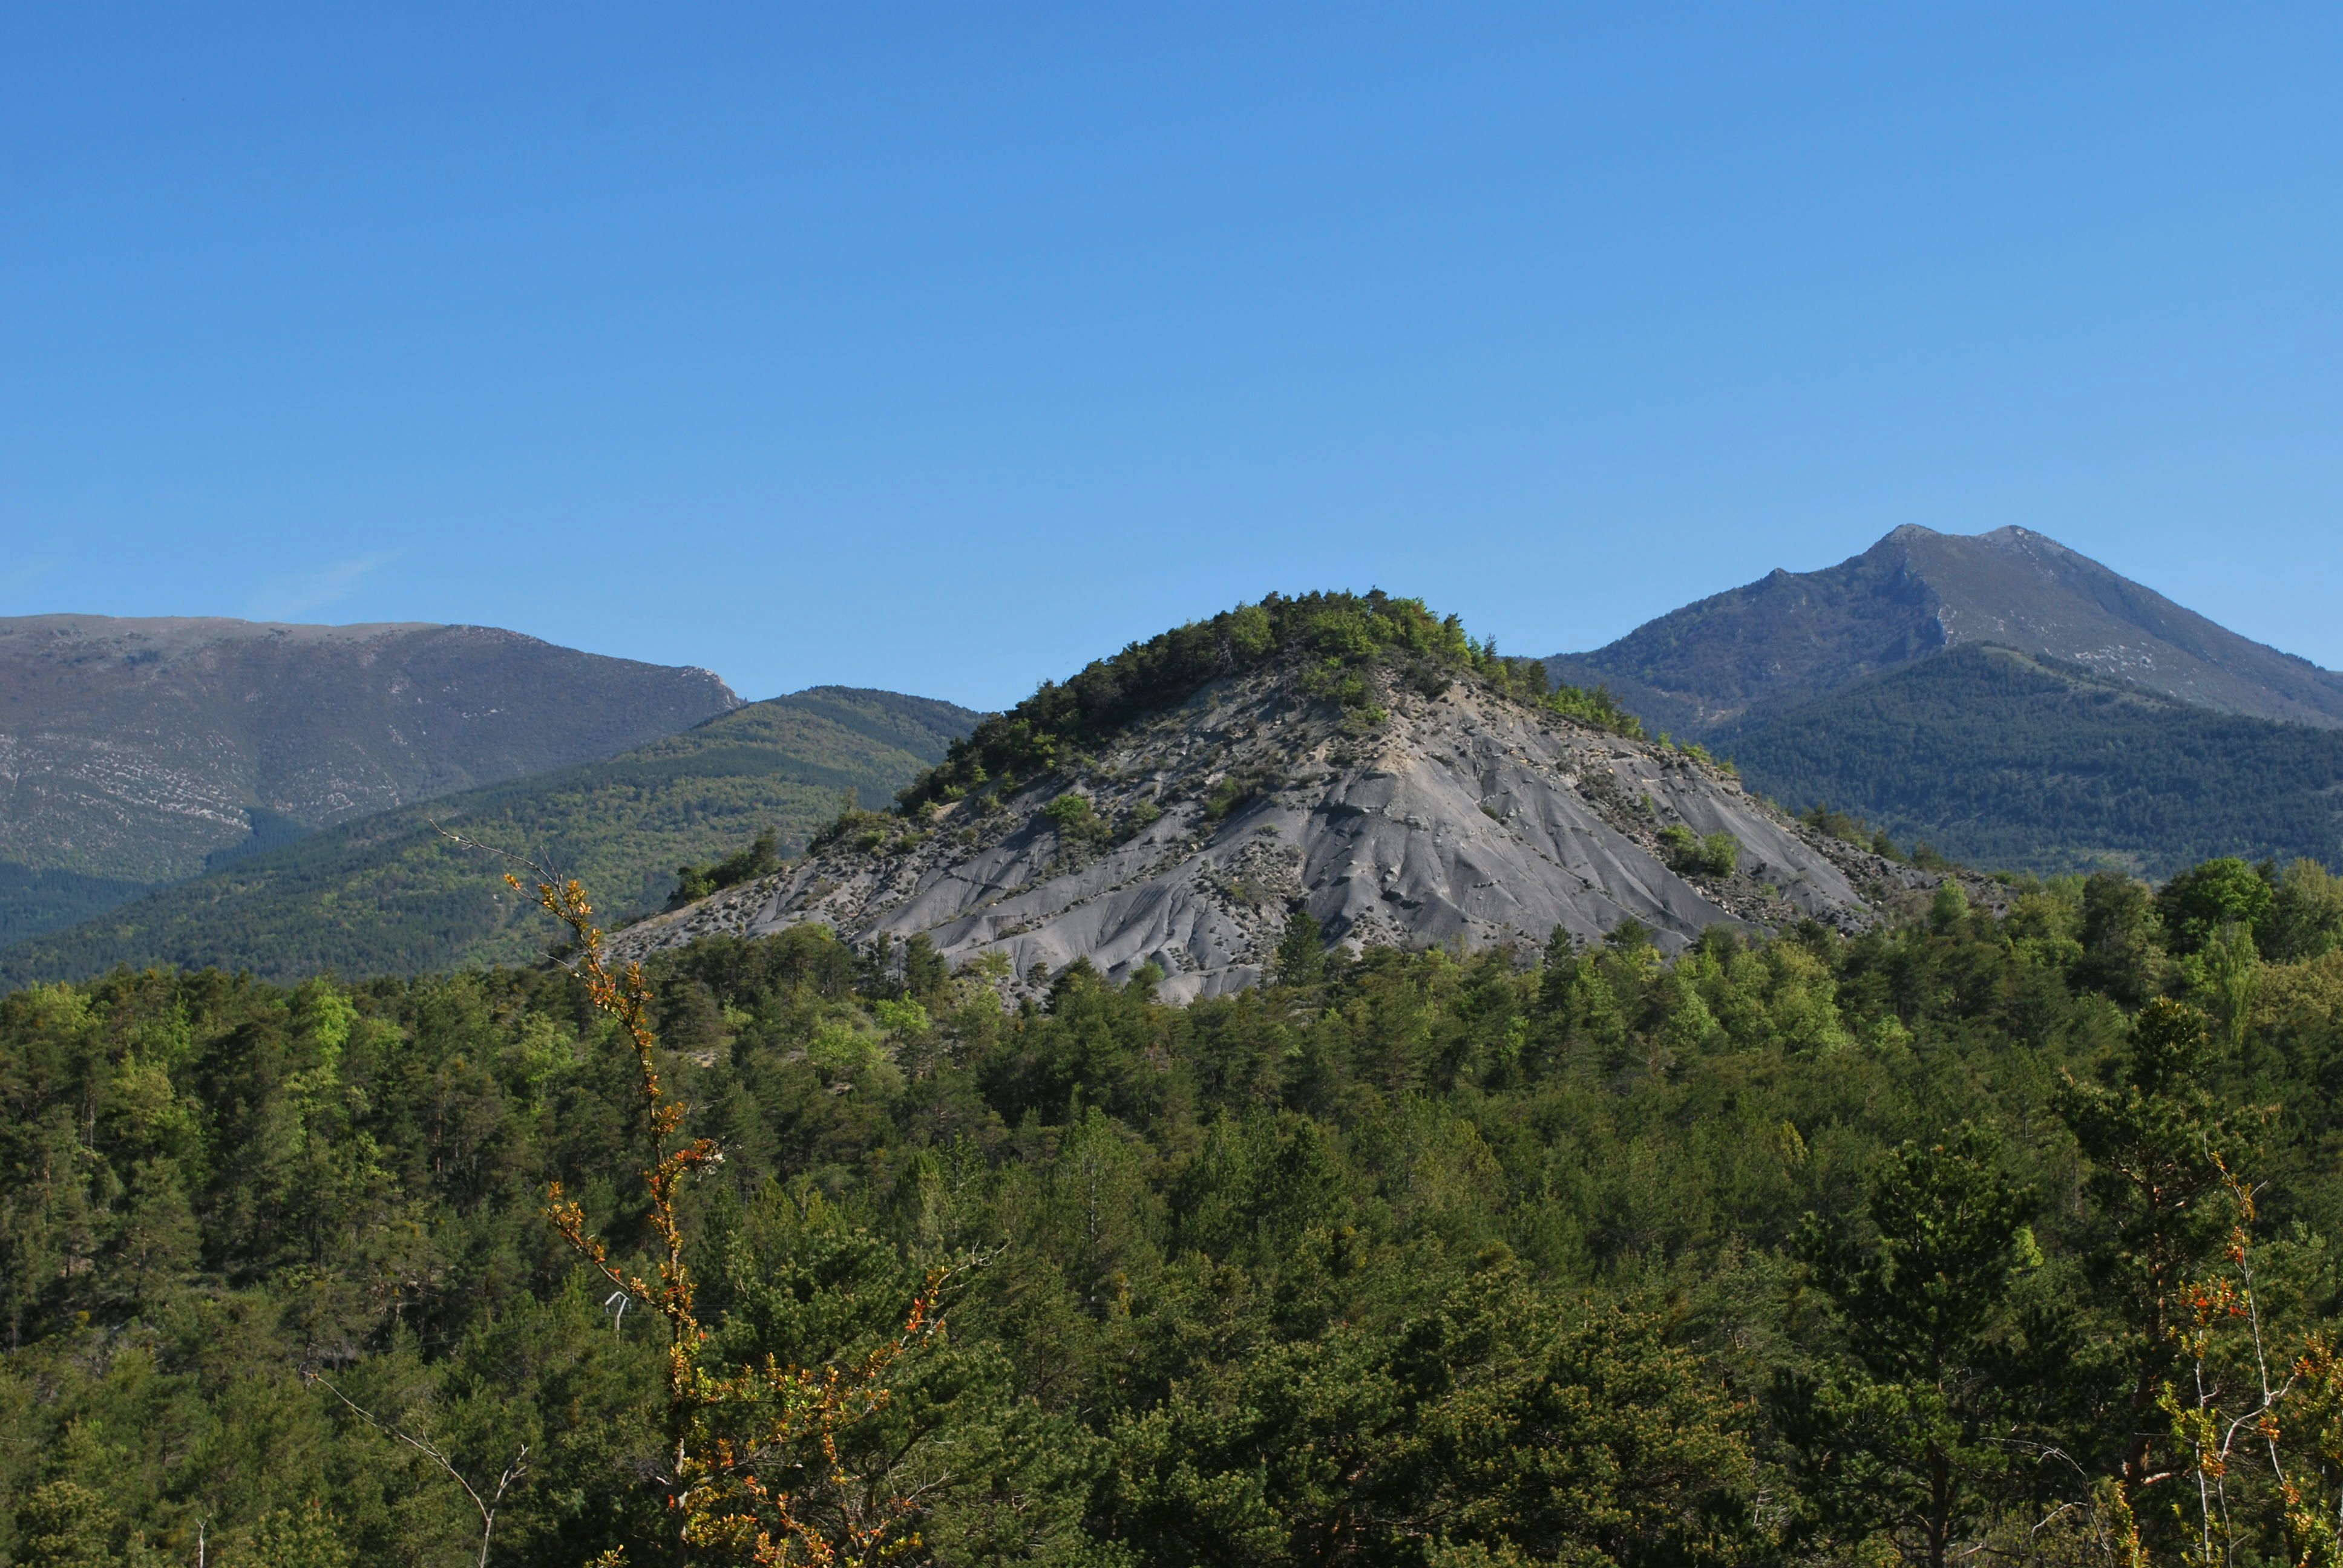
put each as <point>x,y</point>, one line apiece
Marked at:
<point>487,1507</point>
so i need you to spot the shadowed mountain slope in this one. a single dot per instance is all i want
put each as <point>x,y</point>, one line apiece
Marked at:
<point>1791,637</point>
<point>134,752</point>
<point>1347,757</point>
<point>386,894</point>
<point>2008,759</point>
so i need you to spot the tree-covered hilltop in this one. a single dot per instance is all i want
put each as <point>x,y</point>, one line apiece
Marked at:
<point>1370,763</point>
<point>1330,637</point>
<point>1940,1243</point>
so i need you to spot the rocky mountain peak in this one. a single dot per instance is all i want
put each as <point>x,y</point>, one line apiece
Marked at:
<point>1791,637</point>
<point>1414,793</point>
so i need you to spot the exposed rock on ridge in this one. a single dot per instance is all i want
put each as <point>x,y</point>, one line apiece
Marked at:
<point>1791,637</point>
<point>1463,816</point>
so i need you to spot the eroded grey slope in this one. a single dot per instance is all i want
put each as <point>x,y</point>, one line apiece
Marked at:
<point>1461,818</point>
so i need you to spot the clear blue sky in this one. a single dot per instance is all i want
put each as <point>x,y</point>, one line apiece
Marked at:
<point>945,348</point>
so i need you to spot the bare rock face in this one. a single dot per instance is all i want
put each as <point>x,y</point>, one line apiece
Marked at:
<point>1461,817</point>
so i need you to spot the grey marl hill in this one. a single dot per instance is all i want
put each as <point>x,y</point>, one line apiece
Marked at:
<point>1461,818</point>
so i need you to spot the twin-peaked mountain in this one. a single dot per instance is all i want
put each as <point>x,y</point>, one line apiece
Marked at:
<point>1350,759</point>
<point>2013,703</point>
<point>1791,637</point>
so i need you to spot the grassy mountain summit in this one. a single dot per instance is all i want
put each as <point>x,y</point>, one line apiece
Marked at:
<point>1350,765</point>
<point>137,752</point>
<point>1791,637</point>
<point>385,894</point>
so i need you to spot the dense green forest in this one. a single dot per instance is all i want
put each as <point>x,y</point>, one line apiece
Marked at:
<point>32,902</point>
<point>1812,1249</point>
<point>388,894</point>
<point>2000,759</point>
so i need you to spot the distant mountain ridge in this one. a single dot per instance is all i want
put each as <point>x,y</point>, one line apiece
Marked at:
<point>1792,637</point>
<point>2002,698</point>
<point>385,894</point>
<point>137,751</point>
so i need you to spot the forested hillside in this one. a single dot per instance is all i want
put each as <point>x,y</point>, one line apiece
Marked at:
<point>1972,1241</point>
<point>2004,760</point>
<point>33,902</point>
<point>388,894</point>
